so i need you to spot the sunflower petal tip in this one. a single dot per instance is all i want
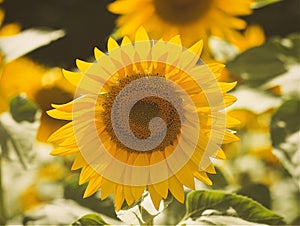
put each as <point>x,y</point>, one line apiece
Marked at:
<point>97,53</point>
<point>112,43</point>
<point>141,34</point>
<point>82,65</point>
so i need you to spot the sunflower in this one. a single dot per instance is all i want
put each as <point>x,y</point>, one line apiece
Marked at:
<point>40,84</point>
<point>192,19</point>
<point>149,116</point>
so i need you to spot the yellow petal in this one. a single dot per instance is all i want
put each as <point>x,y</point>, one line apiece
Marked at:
<point>93,186</point>
<point>82,65</point>
<point>126,41</point>
<point>156,198</point>
<point>197,48</point>
<point>60,114</point>
<point>141,35</point>
<point>128,195</point>
<point>112,44</point>
<point>79,162</point>
<point>176,40</point>
<point>107,188</point>
<point>137,191</point>
<point>118,196</point>
<point>162,188</point>
<point>98,53</point>
<point>185,177</point>
<point>87,172</point>
<point>176,189</point>
<point>202,177</point>
<point>73,77</point>
<point>64,151</point>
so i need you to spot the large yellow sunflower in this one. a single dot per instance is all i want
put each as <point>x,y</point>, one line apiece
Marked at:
<point>149,116</point>
<point>192,19</point>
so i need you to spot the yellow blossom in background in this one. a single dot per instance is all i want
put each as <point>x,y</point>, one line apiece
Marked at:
<point>8,29</point>
<point>255,137</point>
<point>192,19</point>
<point>253,36</point>
<point>169,84</point>
<point>48,176</point>
<point>40,84</point>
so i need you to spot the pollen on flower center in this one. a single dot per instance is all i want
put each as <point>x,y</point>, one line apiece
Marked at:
<point>181,11</point>
<point>143,111</point>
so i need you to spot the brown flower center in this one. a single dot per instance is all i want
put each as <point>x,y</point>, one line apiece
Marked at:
<point>142,112</point>
<point>181,11</point>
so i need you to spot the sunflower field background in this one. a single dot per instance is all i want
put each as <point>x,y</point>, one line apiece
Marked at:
<point>258,41</point>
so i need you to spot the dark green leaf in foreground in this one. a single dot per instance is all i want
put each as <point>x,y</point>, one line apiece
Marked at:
<point>246,208</point>
<point>90,219</point>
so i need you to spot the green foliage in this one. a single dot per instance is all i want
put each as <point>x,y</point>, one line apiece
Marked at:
<point>75,192</point>
<point>258,192</point>
<point>285,130</point>
<point>260,64</point>
<point>285,121</point>
<point>90,219</point>
<point>218,179</point>
<point>22,109</point>
<point>246,208</point>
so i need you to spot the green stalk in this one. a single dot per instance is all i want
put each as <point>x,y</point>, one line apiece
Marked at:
<point>2,209</point>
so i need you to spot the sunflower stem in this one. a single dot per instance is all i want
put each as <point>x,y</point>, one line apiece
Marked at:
<point>2,209</point>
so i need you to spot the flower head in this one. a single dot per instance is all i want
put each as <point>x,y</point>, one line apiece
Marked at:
<point>192,19</point>
<point>149,116</point>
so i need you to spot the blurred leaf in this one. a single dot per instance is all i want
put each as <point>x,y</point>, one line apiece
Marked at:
<point>257,65</point>
<point>18,138</point>
<point>74,191</point>
<point>218,220</point>
<point>260,64</point>
<point>90,219</point>
<point>22,109</point>
<point>285,133</point>
<point>285,121</point>
<point>20,44</point>
<point>292,42</point>
<point>257,192</point>
<point>262,3</point>
<point>246,208</point>
<point>174,213</point>
<point>218,179</point>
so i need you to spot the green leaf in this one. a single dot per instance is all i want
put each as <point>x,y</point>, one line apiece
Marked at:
<point>258,192</point>
<point>75,192</point>
<point>246,208</point>
<point>285,132</point>
<point>22,109</point>
<point>218,220</point>
<point>218,179</point>
<point>262,3</point>
<point>90,219</point>
<point>285,121</point>
<point>258,65</point>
